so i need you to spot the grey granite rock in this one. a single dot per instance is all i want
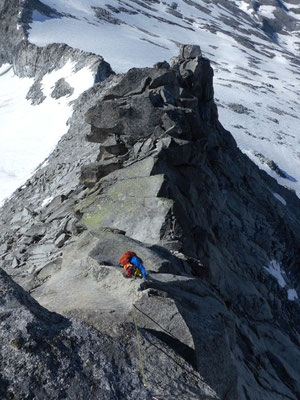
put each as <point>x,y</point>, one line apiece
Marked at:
<point>44,355</point>
<point>35,93</point>
<point>61,88</point>
<point>190,51</point>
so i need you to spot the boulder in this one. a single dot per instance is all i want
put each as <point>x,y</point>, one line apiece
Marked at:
<point>190,51</point>
<point>61,88</point>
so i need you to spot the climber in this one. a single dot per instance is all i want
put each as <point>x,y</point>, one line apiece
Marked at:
<point>132,265</point>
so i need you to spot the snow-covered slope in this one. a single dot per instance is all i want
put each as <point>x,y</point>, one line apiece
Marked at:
<point>29,132</point>
<point>256,73</point>
<point>278,18</point>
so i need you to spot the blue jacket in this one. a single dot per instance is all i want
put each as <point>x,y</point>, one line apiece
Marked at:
<point>137,262</point>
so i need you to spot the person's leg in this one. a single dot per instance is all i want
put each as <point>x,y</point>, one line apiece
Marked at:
<point>138,273</point>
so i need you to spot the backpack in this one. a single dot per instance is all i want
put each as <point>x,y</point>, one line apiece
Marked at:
<point>125,259</point>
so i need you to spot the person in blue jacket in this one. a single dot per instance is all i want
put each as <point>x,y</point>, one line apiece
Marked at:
<point>137,262</point>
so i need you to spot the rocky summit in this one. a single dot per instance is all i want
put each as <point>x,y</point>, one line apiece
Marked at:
<point>147,166</point>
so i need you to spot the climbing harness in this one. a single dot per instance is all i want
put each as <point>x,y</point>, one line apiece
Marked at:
<point>129,270</point>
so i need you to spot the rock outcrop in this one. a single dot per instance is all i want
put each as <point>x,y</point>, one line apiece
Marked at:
<point>29,60</point>
<point>35,62</point>
<point>169,183</point>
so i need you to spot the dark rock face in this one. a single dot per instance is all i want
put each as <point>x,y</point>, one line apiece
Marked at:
<point>169,183</point>
<point>33,61</point>
<point>10,35</point>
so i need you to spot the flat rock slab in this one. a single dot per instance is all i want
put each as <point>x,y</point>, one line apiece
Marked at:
<point>79,285</point>
<point>88,282</point>
<point>131,205</point>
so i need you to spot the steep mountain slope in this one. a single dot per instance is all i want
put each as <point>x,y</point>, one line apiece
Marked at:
<point>33,117</point>
<point>254,47</point>
<point>278,18</point>
<point>219,238</point>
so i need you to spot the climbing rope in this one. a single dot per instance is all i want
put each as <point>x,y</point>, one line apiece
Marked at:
<point>139,346</point>
<point>177,361</point>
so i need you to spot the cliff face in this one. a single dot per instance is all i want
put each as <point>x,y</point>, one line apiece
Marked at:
<point>212,229</point>
<point>10,34</point>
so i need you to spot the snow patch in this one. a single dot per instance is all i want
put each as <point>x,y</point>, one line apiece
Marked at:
<point>80,81</point>
<point>5,68</point>
<point>243,6</point>
<point>292,294</point>
<point>47,201</point>
<point>28,133</point>
<point>267,11</point>
<point>274,270</point>
<point>49,79</point>
<point>281,199</point>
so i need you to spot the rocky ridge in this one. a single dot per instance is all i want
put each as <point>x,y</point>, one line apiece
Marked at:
<point>170,183</point>
<point>252,45</point>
